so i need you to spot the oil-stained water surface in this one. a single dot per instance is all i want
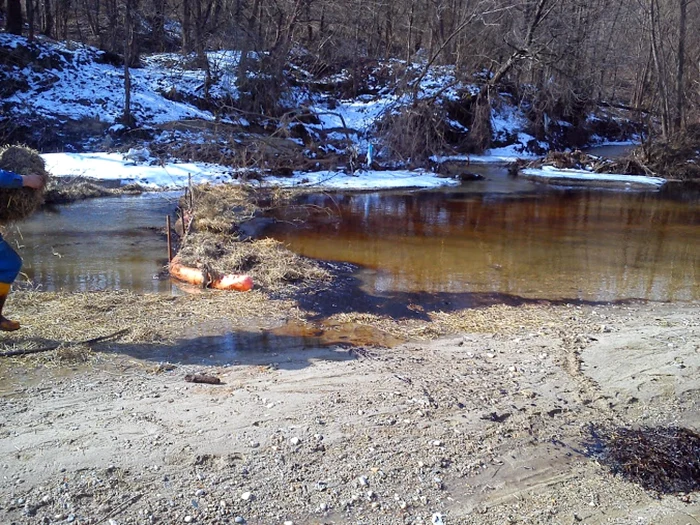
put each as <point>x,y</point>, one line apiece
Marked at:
<point>535,243</point>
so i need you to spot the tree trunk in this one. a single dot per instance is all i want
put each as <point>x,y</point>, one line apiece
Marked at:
<point>159,24</point>
<point>186,27</point>
<point>129,55</point>
<point>680,71</point>
<point>29,7</point>
<point>660,69</point>
<point>14,21</point>
<point>47,28</point>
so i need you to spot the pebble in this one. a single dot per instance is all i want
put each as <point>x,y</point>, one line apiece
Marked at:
<point>200,492</point>
<point>437,443</point>
<point>189,519</point>
<point>246,496</point>
<point>295,441</point>
<point>239,519</point>
<point>288,522</point>
<point>363,481</point>
<point>323,507</point>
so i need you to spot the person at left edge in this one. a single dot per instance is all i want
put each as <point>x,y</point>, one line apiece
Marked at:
<point>10,262</point>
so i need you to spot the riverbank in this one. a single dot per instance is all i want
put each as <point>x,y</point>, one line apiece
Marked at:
<point>478,416</point>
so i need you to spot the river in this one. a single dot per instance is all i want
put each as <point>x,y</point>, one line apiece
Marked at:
<point>500,235</point>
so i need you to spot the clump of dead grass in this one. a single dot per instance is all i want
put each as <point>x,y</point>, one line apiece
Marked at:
<point>62,191</point>
<point>17,204</point>
<point>270,264</point>
<point>220,208</point>
<point>212,244</point>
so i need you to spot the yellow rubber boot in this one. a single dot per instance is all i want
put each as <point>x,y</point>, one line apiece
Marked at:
<point>5,324</point>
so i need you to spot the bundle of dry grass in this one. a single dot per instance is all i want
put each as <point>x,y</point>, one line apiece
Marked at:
<point>19,203</point>
<point>221,208</point>
<point>271,265</point>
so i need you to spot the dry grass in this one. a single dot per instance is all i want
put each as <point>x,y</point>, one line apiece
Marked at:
<point>150,319</point>
<point>213,243</point>
<point>271,265</point>
<point>220,208</point>
<point>501,319</point>
<point>62,191</point>
<point>17,204</point>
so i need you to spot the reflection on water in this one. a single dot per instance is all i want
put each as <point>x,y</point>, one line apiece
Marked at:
<point>216,343</point>
<point>96,244</point>
<point>501,235</point>
<point>589,245</point>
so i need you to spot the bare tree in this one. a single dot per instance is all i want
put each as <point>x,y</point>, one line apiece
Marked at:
<point>14,20</point>
<point>130,56</point>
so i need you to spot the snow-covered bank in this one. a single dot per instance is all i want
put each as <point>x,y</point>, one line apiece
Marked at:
<point>363,180</point>
<point>571,177</point>
<point>116,168</point>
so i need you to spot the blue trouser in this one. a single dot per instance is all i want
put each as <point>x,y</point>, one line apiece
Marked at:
<point>10,263</point>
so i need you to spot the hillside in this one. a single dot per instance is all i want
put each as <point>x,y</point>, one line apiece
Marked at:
<point>70,97</point>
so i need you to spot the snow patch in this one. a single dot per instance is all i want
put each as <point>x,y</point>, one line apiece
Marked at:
<point>550,174</point>
<point>133,168</point>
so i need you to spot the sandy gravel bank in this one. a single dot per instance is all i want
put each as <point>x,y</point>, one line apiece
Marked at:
<point>482,427</point>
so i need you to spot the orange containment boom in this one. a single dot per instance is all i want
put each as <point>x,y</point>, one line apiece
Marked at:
<point>239,283</point>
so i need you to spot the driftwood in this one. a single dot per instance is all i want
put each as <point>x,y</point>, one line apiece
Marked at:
<point>203,378</point>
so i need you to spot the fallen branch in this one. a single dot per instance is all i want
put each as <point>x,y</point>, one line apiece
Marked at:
<point>27,351</point>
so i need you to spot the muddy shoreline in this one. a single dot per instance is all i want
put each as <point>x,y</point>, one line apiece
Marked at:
<point>482,418</point>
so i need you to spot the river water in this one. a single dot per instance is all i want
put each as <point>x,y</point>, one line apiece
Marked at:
<point>501,235</point>
<point>97,244</point>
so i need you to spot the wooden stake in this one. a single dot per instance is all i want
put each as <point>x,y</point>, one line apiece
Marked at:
<point>170,241</point>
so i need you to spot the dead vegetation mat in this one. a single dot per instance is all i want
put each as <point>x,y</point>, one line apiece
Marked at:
<point>677,157</point>
<point>60,191</point>
<point>579,160</point>
<point>142,320</point>
<point>665,460</point>
<point>146,321</point>
<point>214,242</point>
<point>270,263</point>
